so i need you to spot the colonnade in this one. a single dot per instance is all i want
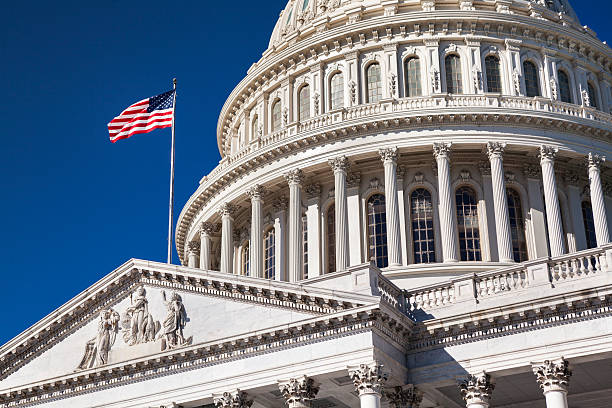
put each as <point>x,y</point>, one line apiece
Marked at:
<point>448,223</point>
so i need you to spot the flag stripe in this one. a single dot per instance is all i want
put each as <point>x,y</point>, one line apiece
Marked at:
<point>127,118</point>
<point>128,129</point>
<point>114,139</point>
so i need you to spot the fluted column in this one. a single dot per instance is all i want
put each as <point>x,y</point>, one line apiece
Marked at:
<point>407,396</point>
<point>500,201</point>
<point>447,220</point>
<point>299,392</point>
<point>394,243</point>
<point>227,235</point>
<point>340,166</point>
<point>368,380</point>
<point>233,399</point>
<point>295,179</point>
<point>193,250</point>
<point>553,379</point>
<point>597,199</point>
<point>476,390</point>
<point>206,231</point>
<point>256,194</point>
<point>551,197</point>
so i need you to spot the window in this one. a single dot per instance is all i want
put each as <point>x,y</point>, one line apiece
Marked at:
<point>532,82</point>
<point>377,230</point>
<point>412,69</point>
<point>244,260</point>
<point>304,247</point>
<point>269,255</point>
<point>304,103</point>
<point>467,222</point>
<point>276,115</point>
<point>589,225</point>
<point>493,74</point>
<point>452,65</point>
<point>330,221</point>
<point>255,128</point>
<point>421,217</point>
<point>592,95</point>
<point>565,94</point>
<point>517,226</point>
<point>337,91</point>
<point>374,83</point>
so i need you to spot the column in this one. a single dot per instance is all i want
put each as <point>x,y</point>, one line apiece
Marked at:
<point>476,390</point>
<point>234,399</point>
<point>340,166</point>
<point>574,202</point>
<point>206,230</point>
<point>299,392</point>
<point>447,219</point>
<point>192,254</point>
<point>551,197</point>
<point>597,199</point>
<point>553,379</point>
<point>407,396</point>
<point>394,244</point>
<point>280,230</point>
<point>500,201</point>
<point>295,179</point>
<point>256,193</point>
<point>227,211</point>
<point>487,190</point>
<point>538,247</point>
<point>353,211</point>
<point>313,224</point>
<point>368,380</point>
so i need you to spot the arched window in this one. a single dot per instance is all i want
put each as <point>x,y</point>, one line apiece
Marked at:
<point>269,255</point>
<point>330,221</point>
<point>592,95</point>
<point>517,226</point>
<point>304,103</point>
<point>467,222</point>
<point>412,70</point>
<point>421,217</point>
<point>377,230</point>
<point>565,93</point>
<point>276,115</point>
<point>374,83</point>
<point>452,65</point>
<point>532,81</point>
<point>255,127</point>
<point>304,247</point>
<point>337,91</point>
<point>589,224</point>
<point>244,260</point>
<point>493,74</point>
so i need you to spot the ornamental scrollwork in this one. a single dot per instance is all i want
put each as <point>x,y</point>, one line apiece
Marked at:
<point>295,176</point>
<point>235,399</point>
<point>339,163</point>
<point>495,150</point>
<point>442,149</point>
<point>256,192</point>
<point>298,390</point>
<point>368,378</point>
<point>227,210</point>
<point>553,374</point>
<point>389,154</point>
<point>477,389</point>
<point>594,161</point>
<point>406,396</point>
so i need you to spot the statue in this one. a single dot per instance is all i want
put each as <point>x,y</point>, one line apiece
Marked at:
<point>174,323</point>
<point>97,349</point>
<point>138,324</point>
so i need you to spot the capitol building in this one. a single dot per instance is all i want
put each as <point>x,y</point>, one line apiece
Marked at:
<point>411,210</point>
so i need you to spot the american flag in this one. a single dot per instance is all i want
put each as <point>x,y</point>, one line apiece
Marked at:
<point>144,116</point>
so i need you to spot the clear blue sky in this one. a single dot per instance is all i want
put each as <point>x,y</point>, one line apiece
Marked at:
<point>74,206</point>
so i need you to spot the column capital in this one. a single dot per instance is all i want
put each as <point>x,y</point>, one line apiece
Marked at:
<point>495,150</point>
<point>207,228</point>
<point>313,191</point>
<point>368,378</point>
<point>256,192</point>
<point>553,375</point>
<point>298,390</point>
<point>389,154</point>
<point>594,161</point>
<point>406,396</point>
<point>442,150</point>
<point>295,176</point>
<point>280,204</point>
<point>234,399</point>
<point>193,247</point>
<point>227,209</point>
<point>548,153</point>
<point>339,163</point>
<point>477,389</point>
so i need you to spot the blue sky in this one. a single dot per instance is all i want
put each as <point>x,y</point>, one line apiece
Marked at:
<point>74,206</point>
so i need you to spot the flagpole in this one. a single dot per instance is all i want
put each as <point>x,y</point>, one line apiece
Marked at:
<point>170,216</point>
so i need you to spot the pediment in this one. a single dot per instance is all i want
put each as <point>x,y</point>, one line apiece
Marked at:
<point>143,309</point>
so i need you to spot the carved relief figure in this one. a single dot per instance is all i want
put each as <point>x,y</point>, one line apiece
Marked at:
<point>138,324</point>
<point>174,323</point>
<point>97,349</point>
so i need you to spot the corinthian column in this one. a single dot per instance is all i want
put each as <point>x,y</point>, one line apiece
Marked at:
<point>447,220</point>
<point>500,201</point>
<point>368,380</point>
<point>295,179</point>
<point>597,199</point>
<point>192,254</point>
<point>234,399</point>
<point>394,244</point>
<point>206,231</point>
<point>476,390</point>
<point>256,193</point>
<point>227,235</point>
<point>551,197</point>
<point>407,396</point>
<point>340,165</point>
<point>553,378</point>
<point>299,392</point>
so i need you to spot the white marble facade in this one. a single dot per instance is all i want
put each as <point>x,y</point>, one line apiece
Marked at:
<point>411,210</point>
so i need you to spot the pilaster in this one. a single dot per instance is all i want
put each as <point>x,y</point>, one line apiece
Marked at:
<point>340,166</point>
<point>280,232</point>
<point>353,210</point>
<point>407,396</point>
<point>313,223</point>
